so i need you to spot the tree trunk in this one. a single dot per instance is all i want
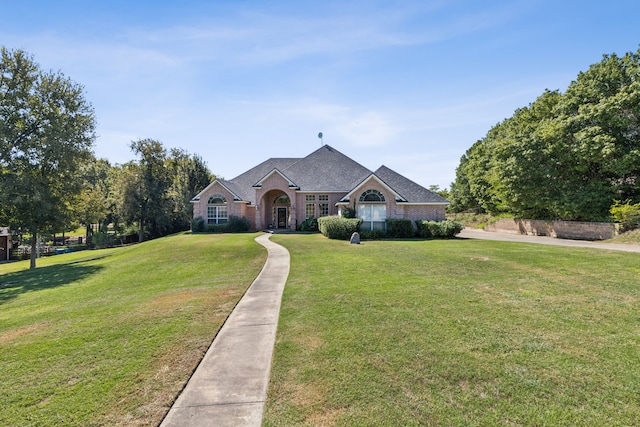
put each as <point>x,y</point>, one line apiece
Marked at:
<point>141,232</point>
<point>34,244</point>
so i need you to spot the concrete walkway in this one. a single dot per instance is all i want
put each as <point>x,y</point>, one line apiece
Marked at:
<point>229,386</point>
<point>472,233</point>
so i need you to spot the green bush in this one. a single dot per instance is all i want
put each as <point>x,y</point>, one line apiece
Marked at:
<point>235,224</point>
<point>399,228</point>
<point>101,240</point>
<point>348,212</point>
<point>337,227</point>
<point>438,229</point>
<point>627,214</point>
<point>198,225</point>
<point>373,234</point>
<point>309,224</point>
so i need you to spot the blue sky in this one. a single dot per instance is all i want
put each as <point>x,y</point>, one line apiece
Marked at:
<point>408,84</point>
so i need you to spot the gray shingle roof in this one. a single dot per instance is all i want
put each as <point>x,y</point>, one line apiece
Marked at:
<point>327,169</point>
<point>412,192</point>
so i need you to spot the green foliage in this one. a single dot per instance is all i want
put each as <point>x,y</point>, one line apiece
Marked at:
<point>337,227</point>
<point>565,156</point>
<point>101,240</point>
<point>627,214</point>
<point>439,229</point>
<point>348,212</point>
<point>235,224</point>
<point>399,228</point>
<point>46,132</point>
<point>373,234</point>
<point>309,224</point>
<point>198,225</point>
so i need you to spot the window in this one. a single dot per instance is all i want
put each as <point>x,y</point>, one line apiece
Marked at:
<point>373,216</point>
<point>323,198</point>
<point>310,210</point>
<point>217,212</point>
<point>310,197</point>
<point>282,200</point>
<point>372,210</point>
<point>372,196</point>
<point>324,209</point>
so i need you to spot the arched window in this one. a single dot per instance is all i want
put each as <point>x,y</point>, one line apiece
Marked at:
<point>373,210</point>
<point>217,210</point>
<point>372,196</point>
<point>282,200</point>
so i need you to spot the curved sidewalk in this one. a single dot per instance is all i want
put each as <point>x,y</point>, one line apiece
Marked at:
<point>229,386</point>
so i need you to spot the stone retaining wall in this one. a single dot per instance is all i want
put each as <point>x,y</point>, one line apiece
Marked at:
<point>560,229</point>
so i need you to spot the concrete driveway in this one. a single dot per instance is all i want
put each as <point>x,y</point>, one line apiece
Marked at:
<point>473,233</point>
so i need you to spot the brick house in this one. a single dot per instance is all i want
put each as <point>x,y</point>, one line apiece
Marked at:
<point>281,193</point>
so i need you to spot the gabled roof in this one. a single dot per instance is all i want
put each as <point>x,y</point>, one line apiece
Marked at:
<point>412,192</point>
<point>325,170</point>
<point>398,196</point>
<point>228,186</point>
<point>276,171</point>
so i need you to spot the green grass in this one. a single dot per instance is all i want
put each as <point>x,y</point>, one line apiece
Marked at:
<point>455,332</point>
<point>109,337</point>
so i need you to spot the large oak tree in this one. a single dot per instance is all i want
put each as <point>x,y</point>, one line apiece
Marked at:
<point>46,133</point>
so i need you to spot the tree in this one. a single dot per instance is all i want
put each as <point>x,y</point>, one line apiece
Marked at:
<point>565,156</point>
<point>146,198</point>
<point>46,132</point>
<point>189,175</point>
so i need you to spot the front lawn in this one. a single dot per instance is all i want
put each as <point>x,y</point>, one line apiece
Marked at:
<point>455,332</point>
<point>110,337</point>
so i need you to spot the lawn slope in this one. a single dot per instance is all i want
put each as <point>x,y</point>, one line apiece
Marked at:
<point>109,337</point>
<point>455,332</point>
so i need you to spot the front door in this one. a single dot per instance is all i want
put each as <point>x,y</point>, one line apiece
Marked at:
<point>282,217</point>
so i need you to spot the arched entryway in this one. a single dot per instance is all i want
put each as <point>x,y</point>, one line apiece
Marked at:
<point>277,210</point>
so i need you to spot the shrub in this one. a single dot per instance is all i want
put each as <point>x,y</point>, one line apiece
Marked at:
<point>626,214</point>
<point>348,212</point>
<point>235,224</point>
<point>373,234</point>
<point>238,224</point>
<point>337,227</point>
<point>309,224</point>
<point>399,228</point>
<point>101,240</point>
<point>438,229</point>
<point>197,225</point>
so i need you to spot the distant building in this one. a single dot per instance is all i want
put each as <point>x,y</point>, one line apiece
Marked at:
<point>281,193</point>
<point>5,243</point>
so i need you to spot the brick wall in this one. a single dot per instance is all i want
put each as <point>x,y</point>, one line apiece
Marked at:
<point>560,229</point>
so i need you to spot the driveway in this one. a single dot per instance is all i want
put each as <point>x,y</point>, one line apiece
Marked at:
<point>473,233</point>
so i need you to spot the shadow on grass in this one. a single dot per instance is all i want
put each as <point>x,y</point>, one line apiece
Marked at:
<point>14,284</point>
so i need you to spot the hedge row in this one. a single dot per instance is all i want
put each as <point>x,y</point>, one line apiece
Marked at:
<point>340,228</point>
<point>441,229</point>
<point>337,227</point>
<point>234,224</point>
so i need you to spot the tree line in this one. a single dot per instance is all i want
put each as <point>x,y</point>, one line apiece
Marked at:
<point>50,179</point>
<point>569,156</point>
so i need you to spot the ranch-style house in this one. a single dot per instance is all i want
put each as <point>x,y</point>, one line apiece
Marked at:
<point>281,193</point>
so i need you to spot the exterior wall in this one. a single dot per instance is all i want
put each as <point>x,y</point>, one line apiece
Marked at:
<point>233,208</point>
<point>561,229</point>
<point>301,204</point>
